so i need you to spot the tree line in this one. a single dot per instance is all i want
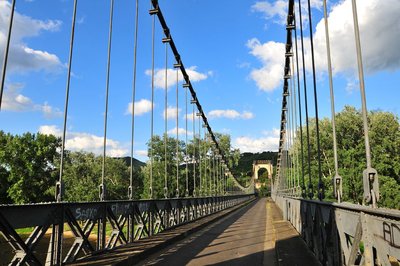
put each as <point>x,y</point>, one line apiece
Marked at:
<point>384,134</point>
<point>29,169</point>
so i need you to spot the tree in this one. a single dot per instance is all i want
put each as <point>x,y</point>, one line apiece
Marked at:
<point>156,147</point>
<point>189,164</point>
<point>384,133</point>
<point>27,167</point>
<point>82,177</point>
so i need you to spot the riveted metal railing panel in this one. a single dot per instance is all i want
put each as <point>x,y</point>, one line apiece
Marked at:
<point>345,234</point>
<point>31,233</point>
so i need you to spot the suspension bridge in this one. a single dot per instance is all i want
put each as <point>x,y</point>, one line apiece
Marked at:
<point>197,212</point>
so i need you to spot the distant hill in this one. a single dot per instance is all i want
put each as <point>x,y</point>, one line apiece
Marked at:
<point>136,163</point>
<point>246,161</point>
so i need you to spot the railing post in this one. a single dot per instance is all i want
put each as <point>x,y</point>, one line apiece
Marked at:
<point>54,254</point>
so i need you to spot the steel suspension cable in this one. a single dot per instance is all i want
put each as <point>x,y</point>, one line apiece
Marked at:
<point>166,123</point>
<point>303,185</point>
<point>217,176</point>
<point>210,171</point>
<point>177,133</point>
<point>103,168</point>
<point>321,189</point>
<point>213,172</point>
<point>292,159</point>
<point>186,144</point>
<point>59,185</point>
<point>152,109</point>
<point>292,136</point>
<point>295,125</point>
<point>370,175</point>
<point>130,189</point>
<point>200,157</point>
<point>194,151</point>
<point>310,186</point>
<point>337,182</point>
<point>288,174</point>
<point>6,50</point>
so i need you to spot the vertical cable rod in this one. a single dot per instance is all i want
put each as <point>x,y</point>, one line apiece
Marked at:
<point>166,123</point>
<point>59,185</point>
<point>200,157</point>
<point>7,48</point>
<point>321,190</point>
<point>177,133</point>
<point>194,151</point>
<point>186,144</point>
<point>152,109</point>
<point>130,189</point>
<point>292,131</point>
<point>370,175</point>
<point>303,185</point>
<point>337,179</point>
<point>295,126</point>
<point>310,186</point>
<point>103,168</point>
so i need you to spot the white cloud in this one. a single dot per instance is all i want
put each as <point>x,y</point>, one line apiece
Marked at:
<point>379,45</point>
<point>49,111</point>
<point>159,76</point>
<point>14,101</point>
<point>278,9</point>
<point>80,141</point>
<point>379,23</point>
<point>181,131</point>
<point>269,142</point>
<point>189,116</point>
<point>141,107</point>
<point>271,55</point>
<point>22,58</point>
<point>247,115</point>
<point>171,113</point>
<point>231,114</point>
<point>142,153</point>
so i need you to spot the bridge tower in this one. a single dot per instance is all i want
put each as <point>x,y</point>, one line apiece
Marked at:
<point>261,164</point>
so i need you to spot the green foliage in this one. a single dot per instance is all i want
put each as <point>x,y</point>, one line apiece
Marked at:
<point>384,133</point>
<point>188,169</point>
<point>155,173</point>
<point>26,167</point>
<point>29,170</point>
<point>243,170</point>
<point>82,177</point>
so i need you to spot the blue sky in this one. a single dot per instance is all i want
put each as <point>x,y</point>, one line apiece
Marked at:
<point>234,50</point>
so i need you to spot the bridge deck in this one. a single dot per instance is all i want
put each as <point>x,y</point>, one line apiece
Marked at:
<point>251,235</point>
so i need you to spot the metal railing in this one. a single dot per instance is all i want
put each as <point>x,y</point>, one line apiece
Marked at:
<point>56,233</point>
<point>345,234</point>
